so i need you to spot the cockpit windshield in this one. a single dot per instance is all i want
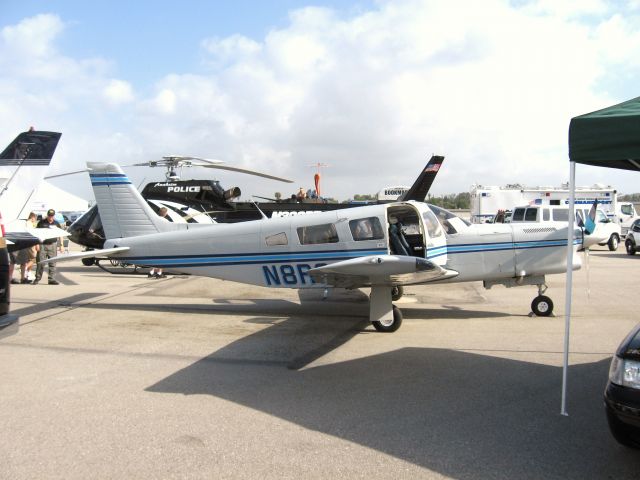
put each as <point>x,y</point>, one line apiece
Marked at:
<point>449,221</point>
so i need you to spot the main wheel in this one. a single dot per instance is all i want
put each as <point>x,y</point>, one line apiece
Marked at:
<point>630,245</point>
<point>88,261</point>
<point>397,292</point>
<point>613,242</point>
<point>388,326</point>
<point>542,306</point>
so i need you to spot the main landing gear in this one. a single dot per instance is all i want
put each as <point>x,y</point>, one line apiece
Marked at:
<point>384,316</point>
<point>542,305</point>
<point>397,292</point>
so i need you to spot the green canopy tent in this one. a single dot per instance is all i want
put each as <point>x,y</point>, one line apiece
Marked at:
<point>605,138</point>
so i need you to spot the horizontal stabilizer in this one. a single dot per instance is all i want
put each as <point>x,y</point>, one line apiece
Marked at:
<point>380,270</point>
<point>105,252</point>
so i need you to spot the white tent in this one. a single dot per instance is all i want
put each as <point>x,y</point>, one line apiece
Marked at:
<point>48,196</point>
<point>606,138</point>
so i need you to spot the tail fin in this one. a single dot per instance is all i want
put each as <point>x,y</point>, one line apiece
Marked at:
<point>31,148</point>
<point>22,166</point>
<point>123,211</point>
<point>590,221</point>
<point>421,186</point>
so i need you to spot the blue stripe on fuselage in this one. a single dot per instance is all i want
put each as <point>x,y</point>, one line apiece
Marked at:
<point>325,255</point>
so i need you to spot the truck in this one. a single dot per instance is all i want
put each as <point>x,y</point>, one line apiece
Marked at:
<point>486,201</point>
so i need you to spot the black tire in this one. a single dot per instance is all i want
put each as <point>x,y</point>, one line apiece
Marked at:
<point>624,434</point>
<point>392,326</point>
<point>613,242</point>
<point>397,292</point>
<point>630,246</point>
<point>542,306</point>
<point>88,261</point>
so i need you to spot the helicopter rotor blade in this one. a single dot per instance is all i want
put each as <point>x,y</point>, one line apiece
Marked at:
<point>248,172</point>
<point>68,173</point>
<point>265,198</point>
<point>210,161</point>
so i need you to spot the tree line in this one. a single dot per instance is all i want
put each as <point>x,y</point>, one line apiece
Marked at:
<point>452,201</point>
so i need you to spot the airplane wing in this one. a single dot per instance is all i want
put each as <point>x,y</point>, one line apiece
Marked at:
<point>380,270</point>
<point>105,252</point>
<point>421,186</point>
<point>22,237</point>
<point>19,240</point>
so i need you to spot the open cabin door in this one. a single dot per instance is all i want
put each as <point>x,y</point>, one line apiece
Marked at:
<point>414,230</point>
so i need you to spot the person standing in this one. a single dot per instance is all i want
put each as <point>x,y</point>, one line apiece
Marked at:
<point>156,272</point>
<point>48,249</point>
<point>27,256</point>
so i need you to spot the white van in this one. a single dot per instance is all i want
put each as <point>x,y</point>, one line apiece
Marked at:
<point>605,228</point>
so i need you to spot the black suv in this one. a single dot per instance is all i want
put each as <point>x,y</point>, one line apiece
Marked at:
<point>622,395</point>
<point>8,321</point>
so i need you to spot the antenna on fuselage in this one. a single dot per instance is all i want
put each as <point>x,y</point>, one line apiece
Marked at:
<point>264,217</point>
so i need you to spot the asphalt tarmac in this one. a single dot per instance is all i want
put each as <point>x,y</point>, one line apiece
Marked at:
<point>121,376</point>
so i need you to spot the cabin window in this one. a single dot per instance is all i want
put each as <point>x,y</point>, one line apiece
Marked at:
<point>276,239</point>
<point>531,215</point>
<point>554,202</point>
<point>518,215</point>
<point>314,234</point>
<point>431,222</point>
<point>561,215</point>
<point>546,216</point>
<point>366,229</point>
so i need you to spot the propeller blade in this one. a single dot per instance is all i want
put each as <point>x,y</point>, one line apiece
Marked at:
<point>248,172</point>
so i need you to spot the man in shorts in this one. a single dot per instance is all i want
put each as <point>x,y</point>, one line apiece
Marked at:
<point>27,256</point>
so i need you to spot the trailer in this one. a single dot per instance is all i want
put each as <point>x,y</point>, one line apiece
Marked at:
<point>486,201</point>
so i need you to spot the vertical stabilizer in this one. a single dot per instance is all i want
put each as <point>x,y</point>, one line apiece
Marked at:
<point>123,211</point>
<point>23,164</point>
<point>421,186</point>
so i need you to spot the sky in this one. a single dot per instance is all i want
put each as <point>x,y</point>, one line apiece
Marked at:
<point>370,88</point>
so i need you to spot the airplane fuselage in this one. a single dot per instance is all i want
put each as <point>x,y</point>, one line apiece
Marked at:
<point>279,252</point>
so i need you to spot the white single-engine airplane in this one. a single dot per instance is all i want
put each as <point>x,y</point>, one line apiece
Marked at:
<point>382,246</point>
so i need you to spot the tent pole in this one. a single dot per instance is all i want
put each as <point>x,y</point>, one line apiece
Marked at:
<point>569,285</point>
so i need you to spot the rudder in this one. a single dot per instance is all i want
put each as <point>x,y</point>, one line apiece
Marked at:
<point>123,211</point>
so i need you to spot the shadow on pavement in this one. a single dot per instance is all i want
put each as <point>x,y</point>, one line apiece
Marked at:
<point>464,415</point>
<point>60,302</point>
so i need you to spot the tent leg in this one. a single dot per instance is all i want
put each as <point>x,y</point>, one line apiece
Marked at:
<point>569,285</point>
